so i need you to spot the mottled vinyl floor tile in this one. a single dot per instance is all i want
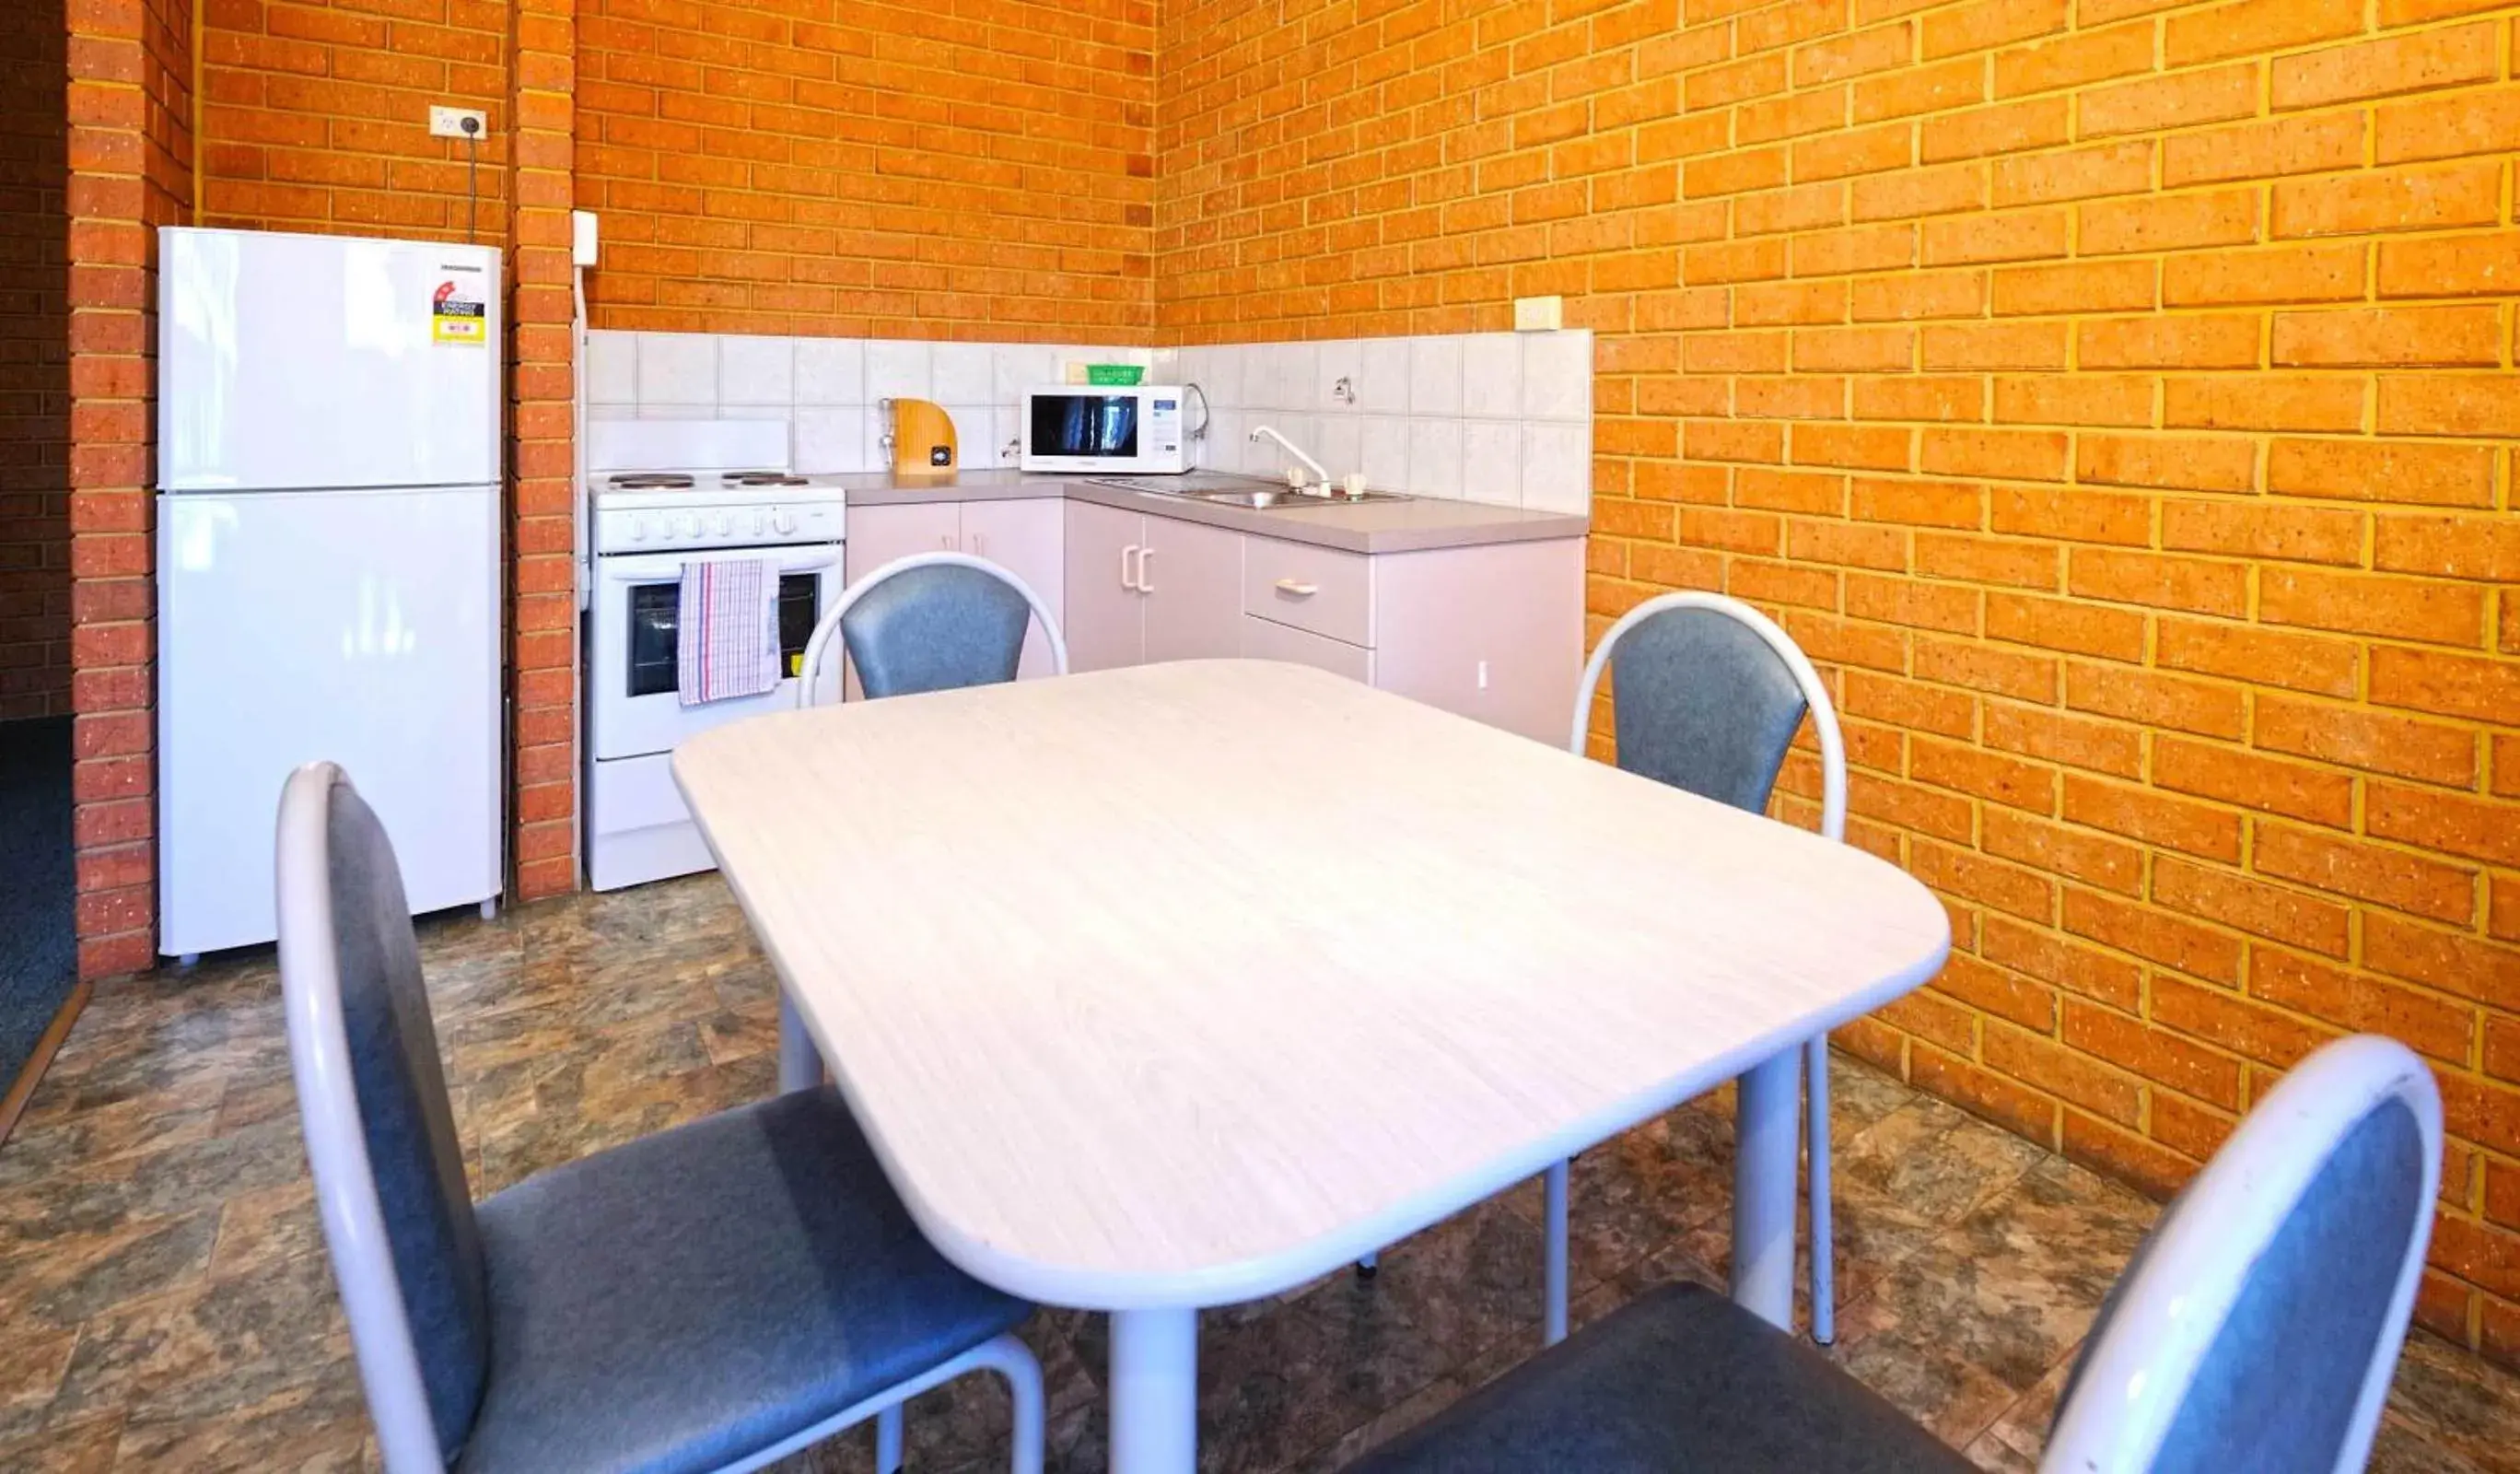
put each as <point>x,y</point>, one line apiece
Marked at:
<point>2014,1441</point>
<point>68,1282</point>
<point>170,1309</point>
<point>1968,1326</point>
<point>1635,1192</point>
<point>305,1428</point>
<point>90,1447</point>
<point>2457,1404</point>
<point>210,1348</point>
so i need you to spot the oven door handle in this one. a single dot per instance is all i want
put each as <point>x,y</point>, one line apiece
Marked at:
<point>652,568</point>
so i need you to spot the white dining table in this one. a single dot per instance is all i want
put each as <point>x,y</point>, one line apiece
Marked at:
<point>1176,987</point>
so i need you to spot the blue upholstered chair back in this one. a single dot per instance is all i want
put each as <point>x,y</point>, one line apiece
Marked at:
<point>935,628</point>
<point>2293,1259</point>
<point>1704,704</point>
<point>403,1113</point>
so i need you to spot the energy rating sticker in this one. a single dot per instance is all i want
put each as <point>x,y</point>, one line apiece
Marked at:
<point>455,317</point>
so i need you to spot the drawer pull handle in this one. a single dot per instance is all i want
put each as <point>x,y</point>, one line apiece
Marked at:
<point>1299,589</point>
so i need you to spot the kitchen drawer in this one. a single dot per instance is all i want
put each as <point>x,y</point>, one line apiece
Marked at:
<point>636,793</point>
<point>1315,589</point>
<point>1268,640</point>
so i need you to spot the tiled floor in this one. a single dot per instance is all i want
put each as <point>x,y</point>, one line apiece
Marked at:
<point>165,1301</point>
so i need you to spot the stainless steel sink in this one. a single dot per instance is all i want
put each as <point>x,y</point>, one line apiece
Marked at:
<point>1283,500</point>
<point>1226,490</point>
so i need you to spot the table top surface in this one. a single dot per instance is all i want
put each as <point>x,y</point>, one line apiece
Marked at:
<point>1179,984</point>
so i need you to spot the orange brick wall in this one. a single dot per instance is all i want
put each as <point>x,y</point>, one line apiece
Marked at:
<point>973,169</point>
<point>34,366</point>
<point>315,115</point>
<point>2115,395</point>
<point>130,75</point>
<point>542,558</point>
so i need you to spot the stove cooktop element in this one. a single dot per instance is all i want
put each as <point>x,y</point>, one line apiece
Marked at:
<point>684,511</point>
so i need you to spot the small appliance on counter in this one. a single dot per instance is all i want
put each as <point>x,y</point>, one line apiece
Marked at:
<point>924,446</point>
<point>1116,430</point>
<point>328,561</point>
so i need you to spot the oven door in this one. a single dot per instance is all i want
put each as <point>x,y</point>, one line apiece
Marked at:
<point>635,709</point>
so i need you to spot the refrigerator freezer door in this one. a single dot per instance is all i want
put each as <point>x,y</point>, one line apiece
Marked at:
<point>361,627</point>
<point>289,361</point>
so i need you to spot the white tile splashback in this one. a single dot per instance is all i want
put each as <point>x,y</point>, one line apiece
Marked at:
<point>828,387</point>
<point>1497,417</point>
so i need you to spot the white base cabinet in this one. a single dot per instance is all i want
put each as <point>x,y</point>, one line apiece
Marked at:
<point>1141,589</point>
<point>1494,632</point>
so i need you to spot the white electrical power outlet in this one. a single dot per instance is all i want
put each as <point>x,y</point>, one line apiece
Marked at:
<point>1539,314</point>
<point>448,122</point>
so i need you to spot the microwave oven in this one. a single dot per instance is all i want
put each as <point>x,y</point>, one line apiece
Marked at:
<point>1108,428</point>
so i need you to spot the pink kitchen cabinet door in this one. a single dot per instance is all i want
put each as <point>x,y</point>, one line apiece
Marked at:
<point>1105,615</point>
<point>877,535</point>
<point>1028,538</point>
<point>1494,633</point>
<point>1192,581</point>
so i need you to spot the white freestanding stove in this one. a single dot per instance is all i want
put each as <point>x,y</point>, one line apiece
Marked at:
<point>665,494</point>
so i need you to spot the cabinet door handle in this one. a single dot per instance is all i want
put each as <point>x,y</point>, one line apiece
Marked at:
<point>946,541</point>
<point>977,542</point>
<point>1143,586</point>
<point>1299,589</point>
<point>1128,581</point>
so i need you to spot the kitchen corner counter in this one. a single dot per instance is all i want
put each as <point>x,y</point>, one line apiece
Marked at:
<point>1415,525</point>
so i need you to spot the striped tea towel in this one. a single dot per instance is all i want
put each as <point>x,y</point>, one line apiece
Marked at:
<point>728,645</point>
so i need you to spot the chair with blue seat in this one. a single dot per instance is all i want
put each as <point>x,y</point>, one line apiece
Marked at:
<point>933,621</point>
<point>1706,696</point>
<point>2255,1332</point>
<point>713,1297</point>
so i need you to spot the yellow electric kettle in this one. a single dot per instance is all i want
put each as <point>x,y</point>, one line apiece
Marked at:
<point>923,447</point>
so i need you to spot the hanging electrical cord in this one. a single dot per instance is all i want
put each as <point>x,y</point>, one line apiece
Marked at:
<point>472,181</point>
<point>1199,431</point>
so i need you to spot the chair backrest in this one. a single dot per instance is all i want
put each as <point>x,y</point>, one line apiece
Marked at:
<point>2256,1329</point>
<point>390,1180</point>
<point>1707,694</point>
<point>933,621</point>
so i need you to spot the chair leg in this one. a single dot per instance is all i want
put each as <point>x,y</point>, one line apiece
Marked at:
<point>1823,1251</point>
<point>1553,1279</point>
<point>1015,1362</point>
<point>888,1439</point>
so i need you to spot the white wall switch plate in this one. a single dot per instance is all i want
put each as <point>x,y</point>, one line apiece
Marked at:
<point>1539,314</point>
<point>448,122</point>
<point>584,243</point>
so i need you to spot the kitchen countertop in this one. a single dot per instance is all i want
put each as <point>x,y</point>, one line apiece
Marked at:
<point>1413,525</point>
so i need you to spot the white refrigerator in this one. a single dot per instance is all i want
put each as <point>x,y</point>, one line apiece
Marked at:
<point>328,561</point>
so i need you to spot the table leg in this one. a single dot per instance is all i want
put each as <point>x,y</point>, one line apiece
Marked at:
<point>1767,1120</point>
<point>1155,1392</point>
<point>800,1067</point>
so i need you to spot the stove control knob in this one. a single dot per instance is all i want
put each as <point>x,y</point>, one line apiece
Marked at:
<point>780,523</point>
<point>752,525</point>
<point>638,529</point>
<point>690,525</point>
<point>724,526</point>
